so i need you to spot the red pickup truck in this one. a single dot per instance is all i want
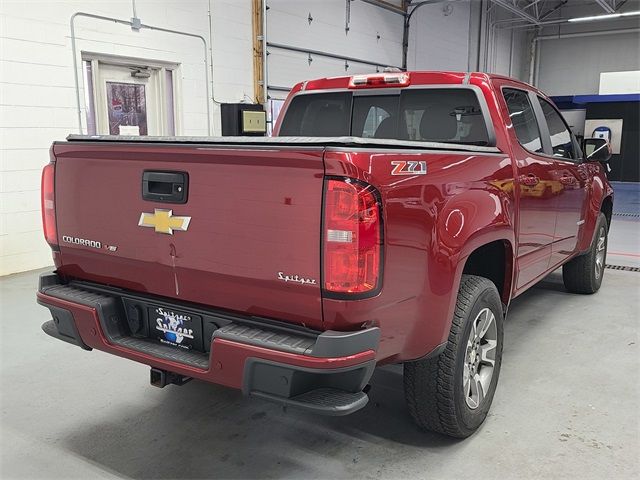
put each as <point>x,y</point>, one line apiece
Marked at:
<point>391,219</point>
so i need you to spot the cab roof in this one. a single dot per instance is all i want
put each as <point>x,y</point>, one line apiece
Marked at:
<point>377,80</point>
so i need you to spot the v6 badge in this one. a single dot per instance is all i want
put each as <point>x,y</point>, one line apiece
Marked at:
<point>409,167</point>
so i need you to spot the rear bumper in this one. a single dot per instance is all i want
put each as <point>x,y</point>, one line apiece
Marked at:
<point>290,366</point>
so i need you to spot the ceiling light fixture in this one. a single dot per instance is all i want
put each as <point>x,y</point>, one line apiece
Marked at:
<point>604,17</point>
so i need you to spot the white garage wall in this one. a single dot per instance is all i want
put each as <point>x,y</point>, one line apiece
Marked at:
<point>374,35</point>
<point>448,36</point>
<point>510,53</point>
<point>443,36</point>
<point>37,94</point>
<point>232,53</point>
<point>439,40</point>
<point>521,56</point>
<point>572,66</point>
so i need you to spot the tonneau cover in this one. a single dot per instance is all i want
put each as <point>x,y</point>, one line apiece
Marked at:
<point>293,141</point>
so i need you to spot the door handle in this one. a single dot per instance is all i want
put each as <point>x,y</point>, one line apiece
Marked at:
<point>529,180</point>
<point>165,187</point>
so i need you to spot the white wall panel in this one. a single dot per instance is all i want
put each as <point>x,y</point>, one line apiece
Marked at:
<point>374,35</point>
<point>445,36</point>
<point>521,55</point>
<point>288,68</point>
<point>38,98</point>
<point>572,66</point>
<point>439,40</point>
<point>510,53</point>
<point>619,82</point>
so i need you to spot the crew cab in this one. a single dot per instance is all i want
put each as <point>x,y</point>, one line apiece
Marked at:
<point>392,218</point>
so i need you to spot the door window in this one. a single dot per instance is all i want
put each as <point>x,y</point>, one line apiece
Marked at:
<point>523,119</point>
<point>127,108</point>
<point>128,100</point>
<point>561,141</point>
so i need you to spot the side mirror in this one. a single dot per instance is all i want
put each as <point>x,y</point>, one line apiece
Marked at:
<point>596,150</point>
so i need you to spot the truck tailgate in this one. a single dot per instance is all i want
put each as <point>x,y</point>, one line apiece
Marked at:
<point>254,226</point>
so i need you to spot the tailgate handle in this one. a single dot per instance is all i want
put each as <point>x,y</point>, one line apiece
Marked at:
<point>167,187</point>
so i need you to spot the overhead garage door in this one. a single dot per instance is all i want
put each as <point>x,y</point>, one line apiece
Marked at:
<point>307,40</point>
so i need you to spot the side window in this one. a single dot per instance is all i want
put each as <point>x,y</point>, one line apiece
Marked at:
<point>523,119</point>
<point>561,141</point>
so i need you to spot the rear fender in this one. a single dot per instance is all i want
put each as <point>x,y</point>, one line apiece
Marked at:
<point>467,222</point>
<point>432,224</point>
<point>472,219</point>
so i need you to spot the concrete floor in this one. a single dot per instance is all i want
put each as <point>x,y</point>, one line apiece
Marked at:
<point>627,197</point>
<point>624,237</point>
<point>566,406</point>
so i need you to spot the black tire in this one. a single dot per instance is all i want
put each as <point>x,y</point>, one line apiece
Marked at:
<point>583,274</point>
<point>434,386</point>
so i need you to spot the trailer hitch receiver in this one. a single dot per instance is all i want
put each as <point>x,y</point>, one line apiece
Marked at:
<point>162,378</point>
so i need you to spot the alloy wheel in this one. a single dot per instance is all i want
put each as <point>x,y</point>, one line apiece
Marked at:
<point>480,358</point>
<point>601,246</point>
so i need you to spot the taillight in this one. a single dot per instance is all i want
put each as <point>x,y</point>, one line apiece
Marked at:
<point>352,239</point>
<point>48,205</point>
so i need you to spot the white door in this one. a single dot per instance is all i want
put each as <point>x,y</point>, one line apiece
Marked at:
<point>128,101</point>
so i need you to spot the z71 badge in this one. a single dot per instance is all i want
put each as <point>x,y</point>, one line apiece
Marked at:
<point>409,167</point>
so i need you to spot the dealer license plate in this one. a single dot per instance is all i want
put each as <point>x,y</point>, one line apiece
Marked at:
<point>174,328</point>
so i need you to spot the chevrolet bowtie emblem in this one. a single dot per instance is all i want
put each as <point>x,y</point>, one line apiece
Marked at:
<point>163,221</point>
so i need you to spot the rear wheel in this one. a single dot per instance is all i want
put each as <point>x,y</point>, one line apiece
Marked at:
<point>584,274</point>
<point>452,393</point>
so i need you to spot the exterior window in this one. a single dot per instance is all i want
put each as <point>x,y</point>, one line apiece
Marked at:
<point>129,100</point>
<point>442,115</point>
<point>127,108</point>
<point>451,115</point>
<point>561,141</point>
<point>523,119</point>
<point>318,115</point>
<point>375,116</point>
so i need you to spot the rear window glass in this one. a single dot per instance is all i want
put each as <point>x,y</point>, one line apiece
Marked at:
<point>423,115</point>
<point>318,115</point>
<point>442,115</point>
<point>375,116</point>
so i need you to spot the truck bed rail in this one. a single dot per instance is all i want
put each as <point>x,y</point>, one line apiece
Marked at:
<point>287,141</point>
